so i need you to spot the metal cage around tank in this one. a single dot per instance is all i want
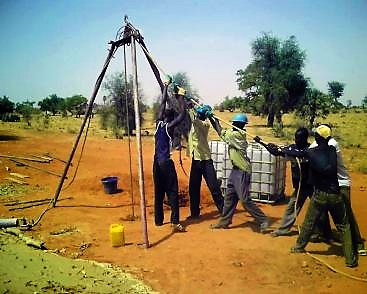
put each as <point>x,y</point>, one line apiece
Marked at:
<point>267,171</point>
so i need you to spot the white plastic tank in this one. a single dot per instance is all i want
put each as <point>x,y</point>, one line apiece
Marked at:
<point>267,171</point>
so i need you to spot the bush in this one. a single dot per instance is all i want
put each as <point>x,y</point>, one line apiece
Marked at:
<point>10,117</point>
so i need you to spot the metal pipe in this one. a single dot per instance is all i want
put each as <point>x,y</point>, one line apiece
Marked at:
<point>138,141</point>
<point>8,222</point>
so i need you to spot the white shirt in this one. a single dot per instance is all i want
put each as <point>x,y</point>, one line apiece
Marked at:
<point>343,175</point>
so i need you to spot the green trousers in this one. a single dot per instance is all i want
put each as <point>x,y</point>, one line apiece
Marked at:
<point>323,202</point>
<point>324,228</point>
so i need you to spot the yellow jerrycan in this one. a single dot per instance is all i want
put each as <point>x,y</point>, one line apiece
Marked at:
<point>117,235</point>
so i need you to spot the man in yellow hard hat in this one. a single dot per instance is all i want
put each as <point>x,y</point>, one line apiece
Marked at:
<point>327,197</point>
<point>344,183</point>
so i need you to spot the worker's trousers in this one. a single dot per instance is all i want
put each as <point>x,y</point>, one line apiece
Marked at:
<point>165,182</point>
<point>323,202</point>
<point>238,189</point>
<point>200,169</point>
<point>358,241</point>
<point>290,213</point>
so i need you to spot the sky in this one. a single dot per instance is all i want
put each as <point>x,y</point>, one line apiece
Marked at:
<point>59,47</point>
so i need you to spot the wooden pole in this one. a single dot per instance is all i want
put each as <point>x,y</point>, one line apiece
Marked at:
<point>129,139</point>
<point>138,141</point>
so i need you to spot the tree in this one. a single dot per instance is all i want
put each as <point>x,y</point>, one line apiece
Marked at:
<point>73,103</point>
<point>182,130</point>
<point>314,104</point>
<point>25,109</point>
<point>228,104</point>
<point>274,74</point>
<point>364,102</point>
<point>6,107</point>
<point>336,90</point>
<point>349,103</point>
<point>52,103</point>
<point>115,86</point>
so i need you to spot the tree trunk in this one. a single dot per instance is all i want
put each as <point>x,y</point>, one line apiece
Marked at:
<point>271,113</point>
<point>279,119</point>
<point>312,120</point>
<point>271,119</point>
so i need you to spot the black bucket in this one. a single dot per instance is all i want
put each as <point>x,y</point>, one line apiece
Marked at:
<point>110,184</point>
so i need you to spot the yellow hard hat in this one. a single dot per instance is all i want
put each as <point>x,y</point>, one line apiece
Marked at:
<point>181,91</point>
<point>324,131</point>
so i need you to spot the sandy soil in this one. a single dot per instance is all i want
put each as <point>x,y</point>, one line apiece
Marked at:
<point>237,260</point>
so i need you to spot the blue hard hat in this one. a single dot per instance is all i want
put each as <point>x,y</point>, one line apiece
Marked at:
<point>240,117</point>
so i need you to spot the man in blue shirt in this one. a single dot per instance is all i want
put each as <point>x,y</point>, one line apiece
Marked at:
<point>164,172</point>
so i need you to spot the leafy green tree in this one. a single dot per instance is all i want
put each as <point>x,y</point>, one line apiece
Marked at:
<point>115,86</point>
<point>275,74</point>
<point>314,104</point>
<point>182,130</point>
<point>6,106</point>
<point>52,103</point>
<point>336,90</point>
<point>228,104</point>
<point>25,109</point>
<point>73,103</point>
<point>364,102</point>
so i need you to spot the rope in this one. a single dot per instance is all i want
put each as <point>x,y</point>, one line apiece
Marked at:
<point>153,60</point>
<point>128,136</point>
<point>80,156</point>
<point>51,204</point>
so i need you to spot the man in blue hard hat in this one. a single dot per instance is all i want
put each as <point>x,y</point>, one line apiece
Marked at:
<point>238,187</point>
<point>164,172</point>
<point>201,163</point>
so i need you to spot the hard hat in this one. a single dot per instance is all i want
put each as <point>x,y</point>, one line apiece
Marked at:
<point>240,117</point>
<point>324,131</point>
<point>181,91</point>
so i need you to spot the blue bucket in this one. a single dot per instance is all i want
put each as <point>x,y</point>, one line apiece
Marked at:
<point>110,184</point>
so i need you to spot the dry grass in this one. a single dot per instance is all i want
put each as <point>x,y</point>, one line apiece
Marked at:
<point>349,128</point>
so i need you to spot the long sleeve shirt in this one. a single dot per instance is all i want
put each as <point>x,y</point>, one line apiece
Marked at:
<point>237,148</point>
<point>343,175</point>
<point>198,138</point>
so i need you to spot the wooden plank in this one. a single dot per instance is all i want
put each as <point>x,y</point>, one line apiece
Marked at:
<point>16,181</point>
<point>42,157</point>
<point>24,158</point>
<point>18,175</point>
<point>36,167</point>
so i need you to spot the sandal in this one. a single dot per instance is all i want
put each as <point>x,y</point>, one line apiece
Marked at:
<point>178,228</point>
<point>362,252</point>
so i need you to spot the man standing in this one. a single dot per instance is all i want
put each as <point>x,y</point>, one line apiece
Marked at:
<point>344,184</point>
<point>300,180</point>
<point>164,172</point>
<point>326,198</point>
<point>238,187</point>
<point>201,164</point>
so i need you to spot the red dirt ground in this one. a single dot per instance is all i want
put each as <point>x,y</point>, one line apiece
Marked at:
<point>237,260</point>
